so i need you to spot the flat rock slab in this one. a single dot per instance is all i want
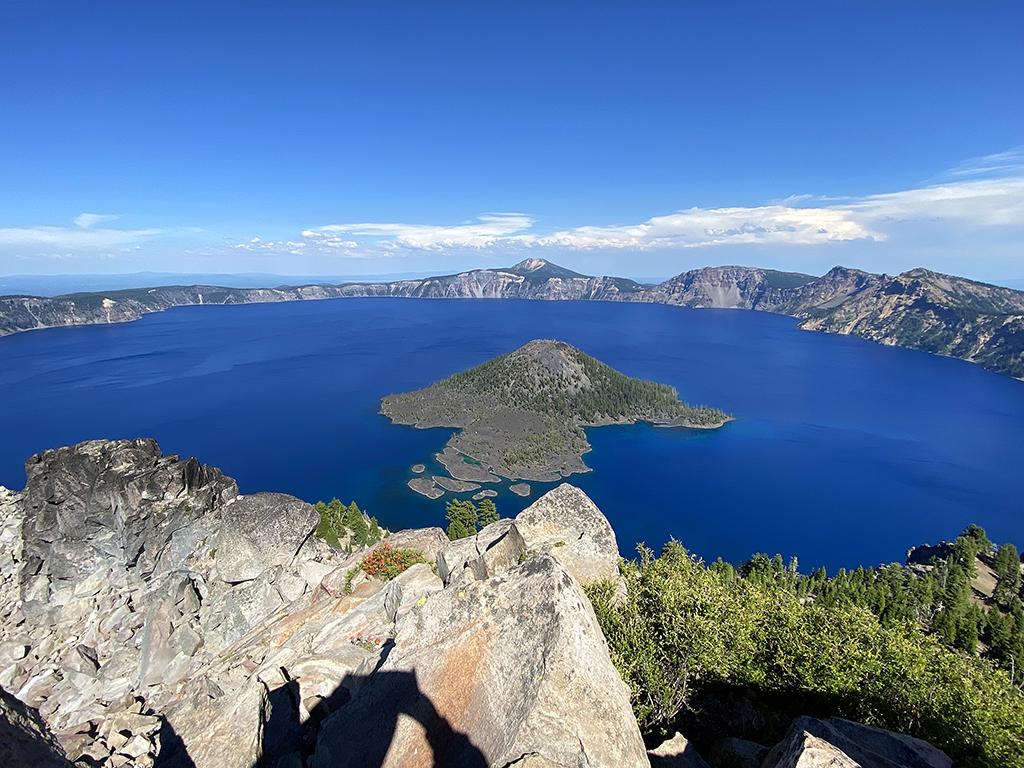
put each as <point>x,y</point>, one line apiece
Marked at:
<point>520,489</point>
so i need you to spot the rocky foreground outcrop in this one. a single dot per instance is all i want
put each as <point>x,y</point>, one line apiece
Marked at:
<point>151,615</point>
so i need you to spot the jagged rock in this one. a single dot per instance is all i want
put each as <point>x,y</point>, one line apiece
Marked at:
<point>101,500</point>
<point>487,673</point>
<point>259,532</point>
<point>495,548</point>
<point>812,743</point>
<point>804,750</point>
<point>25,739</point>
<point>83,659</point>
<point>566,523</point>
<point>676,752</point>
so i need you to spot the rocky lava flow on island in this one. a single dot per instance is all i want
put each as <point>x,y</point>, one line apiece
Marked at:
<point>522,415</point>
<point>152,615</point>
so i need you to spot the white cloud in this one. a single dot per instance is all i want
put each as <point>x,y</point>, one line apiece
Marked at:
<point>88,220</point>
<point>702,227</point>
<point>794,221</point>
<point>1010,162</point>
<point>986,203</point>
<point>487,230</point>
<point>84,235</point>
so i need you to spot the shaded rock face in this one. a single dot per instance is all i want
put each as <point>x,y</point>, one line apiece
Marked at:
<point>106,502</point>
<point>25,740</point>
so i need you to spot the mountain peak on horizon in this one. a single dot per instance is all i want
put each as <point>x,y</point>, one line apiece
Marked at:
<point>535,267</point>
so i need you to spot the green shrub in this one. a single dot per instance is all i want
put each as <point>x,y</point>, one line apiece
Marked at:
<point>685,633</point>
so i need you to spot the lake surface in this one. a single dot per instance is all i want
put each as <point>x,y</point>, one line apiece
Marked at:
<point>843,452</point>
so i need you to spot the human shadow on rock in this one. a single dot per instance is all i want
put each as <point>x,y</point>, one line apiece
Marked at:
<point>356,725</point>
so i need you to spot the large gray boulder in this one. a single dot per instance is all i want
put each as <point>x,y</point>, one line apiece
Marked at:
<point>812,743</point>
<point>259,532</point>
<point>567,524</point>
<point>492,672</point>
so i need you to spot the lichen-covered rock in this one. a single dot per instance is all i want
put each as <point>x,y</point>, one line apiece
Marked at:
<point>568,525</point>
<point>488,673</point>
<point>426,541</point>
<point>259,532</point>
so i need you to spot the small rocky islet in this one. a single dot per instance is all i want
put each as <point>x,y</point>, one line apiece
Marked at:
<point>522,416</point>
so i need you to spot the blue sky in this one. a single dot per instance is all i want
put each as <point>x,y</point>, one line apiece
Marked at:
<point>631,138</point>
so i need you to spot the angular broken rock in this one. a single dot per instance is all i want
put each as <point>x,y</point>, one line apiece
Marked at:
<point>812,743</point>
<point>676,752</point>
<point>567,524</point>
<point>489,673</point>
<point>496,548</point>
<point>259,532</point>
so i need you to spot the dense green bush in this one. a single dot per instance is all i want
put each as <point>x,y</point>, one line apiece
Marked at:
<point>686,632</point>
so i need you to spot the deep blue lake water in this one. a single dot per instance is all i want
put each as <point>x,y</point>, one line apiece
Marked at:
<point>843,452</point>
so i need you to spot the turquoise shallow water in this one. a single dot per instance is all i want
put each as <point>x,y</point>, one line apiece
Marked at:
<point>843,452</point>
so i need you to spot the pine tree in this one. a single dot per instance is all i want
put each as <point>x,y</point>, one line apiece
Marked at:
<point>462,519</point>
<point>487,514</point>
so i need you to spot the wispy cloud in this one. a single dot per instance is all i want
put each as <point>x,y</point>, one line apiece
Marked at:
<point>89,220</point>
<point>795,221</point>
<point>485,231</point>
<point>85,234</point>
<point>1010,162</point>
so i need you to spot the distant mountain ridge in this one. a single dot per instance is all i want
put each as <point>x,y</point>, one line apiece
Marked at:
<point>919,309</point>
